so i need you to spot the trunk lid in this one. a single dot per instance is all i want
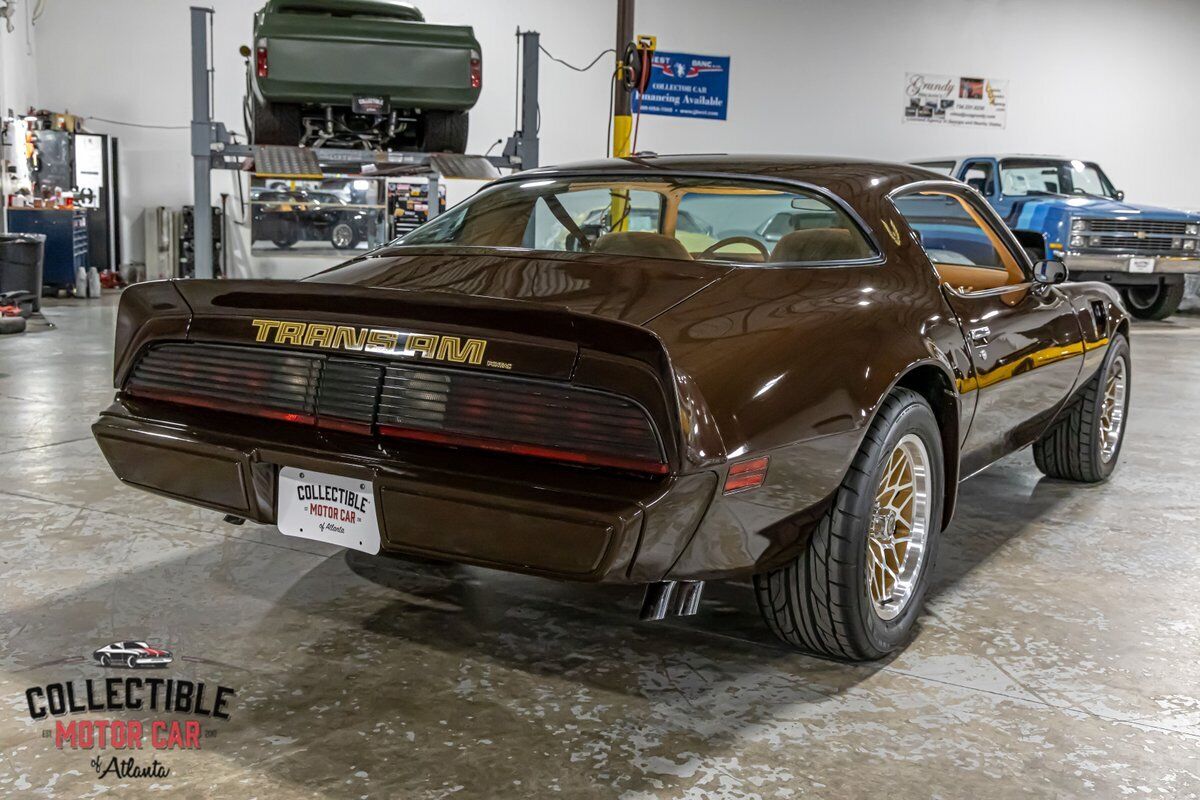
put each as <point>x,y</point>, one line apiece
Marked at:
<point>629,289</point>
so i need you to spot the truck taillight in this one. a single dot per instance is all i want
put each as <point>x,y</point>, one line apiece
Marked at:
<point>260,61</point>
<point>476,70</point>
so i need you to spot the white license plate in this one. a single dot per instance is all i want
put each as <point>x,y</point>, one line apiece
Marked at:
<point>1141,265</point>
<point>328,508</point>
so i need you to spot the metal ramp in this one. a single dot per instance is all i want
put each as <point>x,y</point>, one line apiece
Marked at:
<point>278,161</point>
<point>308,163</point>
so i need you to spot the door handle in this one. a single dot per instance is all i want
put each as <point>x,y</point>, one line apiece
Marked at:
<point>980,335</point>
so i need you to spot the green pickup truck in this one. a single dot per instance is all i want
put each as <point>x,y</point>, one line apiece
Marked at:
<point>359,73</point>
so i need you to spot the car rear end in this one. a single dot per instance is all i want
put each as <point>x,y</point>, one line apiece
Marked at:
<point>351,52</point>
<point>516,436</point>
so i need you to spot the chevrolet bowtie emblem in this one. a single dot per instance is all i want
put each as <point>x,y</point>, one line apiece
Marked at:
<point>1140,234</point>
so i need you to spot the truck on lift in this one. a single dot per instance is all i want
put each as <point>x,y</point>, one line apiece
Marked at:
<point>368,74</point>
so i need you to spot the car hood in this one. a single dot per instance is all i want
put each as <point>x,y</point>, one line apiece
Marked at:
<point>625,288</point>
<point>1103,206</point>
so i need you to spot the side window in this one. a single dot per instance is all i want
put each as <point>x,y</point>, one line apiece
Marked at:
<point>980,176</point>
<point>966,251</point>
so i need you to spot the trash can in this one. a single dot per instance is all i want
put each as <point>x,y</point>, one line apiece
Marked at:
<point>21,257</point>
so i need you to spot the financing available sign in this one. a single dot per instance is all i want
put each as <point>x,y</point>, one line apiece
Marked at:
<point>955,100</point>
<point>686,85</point>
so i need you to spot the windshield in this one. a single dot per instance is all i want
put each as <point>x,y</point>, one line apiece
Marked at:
<point>1024,176</point>
<point>675,217</point>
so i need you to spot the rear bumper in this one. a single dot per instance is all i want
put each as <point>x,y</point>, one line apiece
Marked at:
<point>1163,265</point>
<point>547,520</point>
<point>400,98</point>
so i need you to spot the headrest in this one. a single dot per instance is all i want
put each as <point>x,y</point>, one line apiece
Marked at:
<point>820,244</point>
<point>641,243</point>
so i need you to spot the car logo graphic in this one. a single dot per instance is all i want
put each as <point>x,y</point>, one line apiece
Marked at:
<point>132,655</point>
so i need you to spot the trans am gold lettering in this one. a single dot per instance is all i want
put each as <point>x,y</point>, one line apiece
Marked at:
<point>263,328</point>
<point>373,340</point>
<point>381,341</point>
<point>290,333</point>
<point>423,343</point>
<point>453,349</point>
<point>319,334</point>
<point>347,338</point>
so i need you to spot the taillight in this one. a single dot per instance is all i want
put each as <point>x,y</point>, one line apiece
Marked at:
<point>460,408</point>
<point>746,475</point>
<point>476,70</point>
<point>521,449</point>
<point>260,60</point>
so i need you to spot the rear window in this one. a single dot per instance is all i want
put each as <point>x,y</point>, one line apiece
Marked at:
<point>679,218</point>
<point>358,9</point>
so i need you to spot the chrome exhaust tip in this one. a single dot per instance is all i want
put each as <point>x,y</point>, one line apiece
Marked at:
<point>671,598</point>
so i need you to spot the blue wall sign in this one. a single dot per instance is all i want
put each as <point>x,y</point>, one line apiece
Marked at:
<point>686,85</point>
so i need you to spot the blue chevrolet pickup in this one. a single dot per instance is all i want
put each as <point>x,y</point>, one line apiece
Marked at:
<point>1069,209</point>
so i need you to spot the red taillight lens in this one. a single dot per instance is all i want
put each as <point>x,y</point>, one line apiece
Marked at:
<point>476,70</point>
<point>260,61</point>
<point>460,408</point>
<point>517,448</point>
<point>746,475</point>
<point>182,398</point>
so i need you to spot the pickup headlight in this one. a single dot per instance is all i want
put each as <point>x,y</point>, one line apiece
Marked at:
<point>1076,241</point>
<point>1193,229</point>
<point>1189,244</point>
<point>1077,224</point>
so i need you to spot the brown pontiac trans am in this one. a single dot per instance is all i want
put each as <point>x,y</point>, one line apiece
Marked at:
<point>656,371</point>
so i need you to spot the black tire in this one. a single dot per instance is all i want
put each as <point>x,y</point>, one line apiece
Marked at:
<point>283,243</point>
<point>819,601</point>
<point>105,660</point>
<point>443,132</point>
<point>277,123</point>
<point>1072,449</point>
<point>129,662</point>
<point>12,325</point>
<point>1153,301</point>
<point>343,236</point>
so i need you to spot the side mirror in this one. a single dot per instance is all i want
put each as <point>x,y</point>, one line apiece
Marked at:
<point>245,51</point>
<point>1120,194</point>
<point>1049,272</point>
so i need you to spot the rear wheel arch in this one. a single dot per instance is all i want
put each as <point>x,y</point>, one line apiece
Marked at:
<point>933,383</point>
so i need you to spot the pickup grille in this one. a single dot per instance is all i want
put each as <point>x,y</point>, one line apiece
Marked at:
<point>1134,226</point>
<point>456,407</point>
<point>1129,244</point>
<point>1134,236</point>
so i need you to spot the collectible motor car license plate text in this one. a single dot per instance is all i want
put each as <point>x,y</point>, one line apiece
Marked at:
<point>1141,265</point>
<point>328,508</point>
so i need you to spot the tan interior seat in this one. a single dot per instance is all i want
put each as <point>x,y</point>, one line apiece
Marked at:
<point>641,243</point>
<point>820,244</point>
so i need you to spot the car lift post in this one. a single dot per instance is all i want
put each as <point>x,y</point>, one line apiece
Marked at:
<point>202,141</point>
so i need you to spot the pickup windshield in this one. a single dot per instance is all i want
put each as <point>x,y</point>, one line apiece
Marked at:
<point>672,217</point>
<point>1024,176</point>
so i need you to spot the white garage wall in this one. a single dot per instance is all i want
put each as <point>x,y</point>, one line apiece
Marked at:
<point>18,66</point>
<point>1106,79</point>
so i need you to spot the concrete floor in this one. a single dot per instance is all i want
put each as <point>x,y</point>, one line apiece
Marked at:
<point>1057,657</point>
